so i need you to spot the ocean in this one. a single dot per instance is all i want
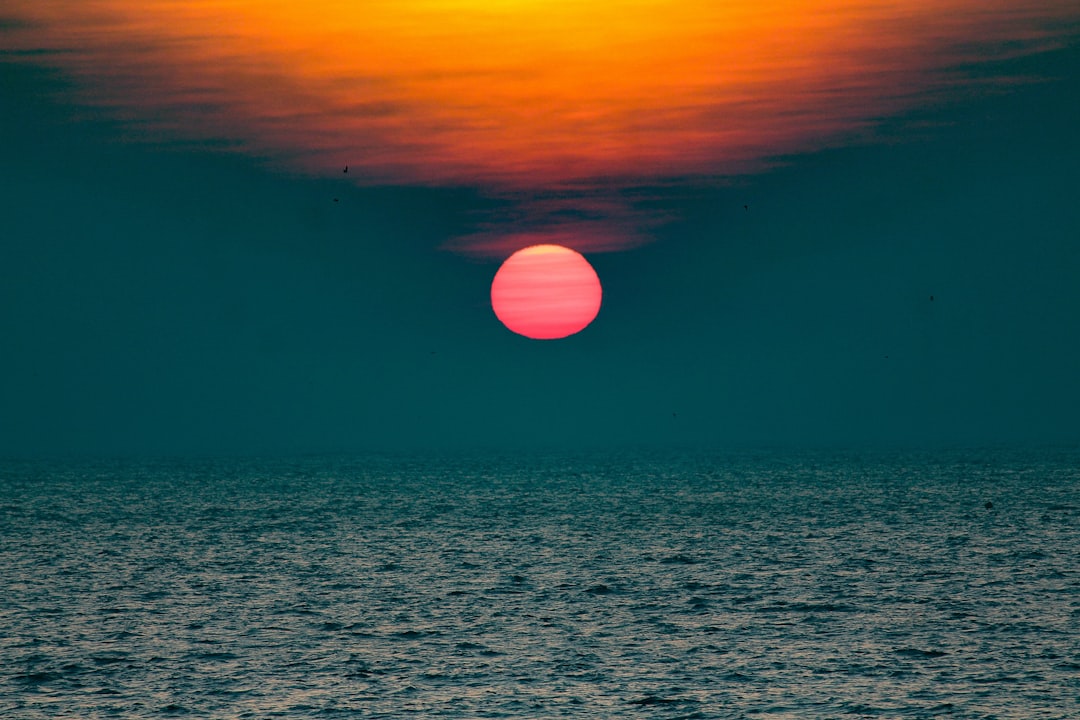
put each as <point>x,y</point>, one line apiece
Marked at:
<point>631,585</point>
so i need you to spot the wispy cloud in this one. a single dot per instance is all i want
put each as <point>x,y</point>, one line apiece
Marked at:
<point>555,104</point>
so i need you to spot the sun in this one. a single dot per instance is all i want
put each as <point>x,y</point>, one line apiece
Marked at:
<point>546,292</point>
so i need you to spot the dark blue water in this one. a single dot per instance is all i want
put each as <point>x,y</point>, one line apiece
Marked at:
<point>727,586</point>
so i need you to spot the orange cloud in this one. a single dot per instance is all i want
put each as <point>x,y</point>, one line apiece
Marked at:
<point>522,96</point>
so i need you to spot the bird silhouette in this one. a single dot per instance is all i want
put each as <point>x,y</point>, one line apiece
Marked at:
<point>335,200</point>
<point>745,207</point>
<point>346,169</point>
<point>931,298</point>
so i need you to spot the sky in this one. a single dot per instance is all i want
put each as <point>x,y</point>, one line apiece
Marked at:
<point>831,224</point>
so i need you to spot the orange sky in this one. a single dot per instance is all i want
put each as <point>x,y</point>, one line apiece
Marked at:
<point>522,96</point>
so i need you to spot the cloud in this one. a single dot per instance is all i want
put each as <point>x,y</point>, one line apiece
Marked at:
<point>526,101</point>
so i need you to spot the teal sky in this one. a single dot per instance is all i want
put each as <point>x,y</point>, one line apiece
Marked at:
<point>166,297</point>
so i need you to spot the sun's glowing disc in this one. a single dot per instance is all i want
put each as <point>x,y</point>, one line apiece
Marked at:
<point>546,292</point>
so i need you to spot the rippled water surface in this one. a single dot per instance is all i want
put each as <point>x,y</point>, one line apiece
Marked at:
<point>727,586</point>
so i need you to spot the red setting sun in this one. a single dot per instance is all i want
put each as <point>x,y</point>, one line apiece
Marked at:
<point>546,292</point>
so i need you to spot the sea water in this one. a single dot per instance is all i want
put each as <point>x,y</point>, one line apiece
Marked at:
<point>749,585</point>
